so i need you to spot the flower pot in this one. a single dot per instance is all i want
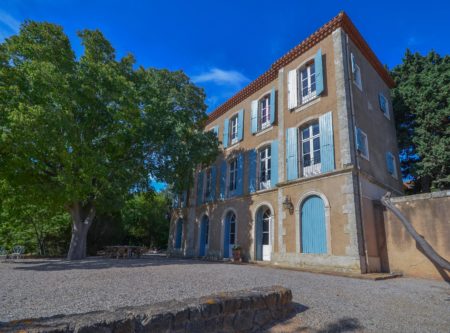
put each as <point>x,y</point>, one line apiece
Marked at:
<point>237,255</point>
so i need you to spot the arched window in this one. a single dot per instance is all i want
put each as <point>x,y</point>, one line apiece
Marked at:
<point>263,247</point>
<point>179,234</point>
<point>230,234</point>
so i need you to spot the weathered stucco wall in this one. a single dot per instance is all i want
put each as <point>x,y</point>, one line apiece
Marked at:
<point>430,216</point>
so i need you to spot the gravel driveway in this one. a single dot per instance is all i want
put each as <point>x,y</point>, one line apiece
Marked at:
<point>324,303</point>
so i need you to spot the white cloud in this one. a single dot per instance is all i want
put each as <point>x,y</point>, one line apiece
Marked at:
<point>221,77</point>
<point>8,25</point>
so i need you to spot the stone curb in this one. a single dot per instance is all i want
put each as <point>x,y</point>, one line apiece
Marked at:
<point>238,311</point>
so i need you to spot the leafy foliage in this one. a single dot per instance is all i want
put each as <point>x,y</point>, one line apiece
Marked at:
<point>88,131</point>
<point>421,103</point>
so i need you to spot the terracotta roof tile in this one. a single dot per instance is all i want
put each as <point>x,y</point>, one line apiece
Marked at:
<point>340,21</point>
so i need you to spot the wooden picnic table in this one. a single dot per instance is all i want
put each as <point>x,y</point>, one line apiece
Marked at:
<point>124,251</point>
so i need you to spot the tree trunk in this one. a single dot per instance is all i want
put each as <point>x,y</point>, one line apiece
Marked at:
<point>82,217</point>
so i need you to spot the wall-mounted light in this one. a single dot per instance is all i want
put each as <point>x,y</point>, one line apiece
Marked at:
<point>287,204</point>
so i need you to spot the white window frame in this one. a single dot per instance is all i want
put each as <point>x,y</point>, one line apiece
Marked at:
<point>386,114</point>
<point>234,129</point>
<point>267,161</point>
<point>366,144</point>
<point>394,165</point>
<point>311,93</point>
<point>313,168</point>
<point>264,111</point>
<point>232,175</point>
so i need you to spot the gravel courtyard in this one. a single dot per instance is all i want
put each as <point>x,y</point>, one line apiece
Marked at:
<point>33,288</point>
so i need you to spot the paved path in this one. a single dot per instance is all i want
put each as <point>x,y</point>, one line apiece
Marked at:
<point>324,303</point>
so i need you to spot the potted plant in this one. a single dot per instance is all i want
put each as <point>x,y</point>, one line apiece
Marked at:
<point>237,253</point>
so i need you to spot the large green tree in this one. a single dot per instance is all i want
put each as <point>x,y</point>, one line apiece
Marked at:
<point>421,102</point>
<point>85,132</point>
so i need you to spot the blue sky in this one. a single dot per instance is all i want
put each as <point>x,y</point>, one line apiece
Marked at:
<point>223,45</point>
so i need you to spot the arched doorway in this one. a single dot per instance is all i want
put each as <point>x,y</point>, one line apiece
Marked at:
<point>179,233</point>
<point>313,227</point>
<point>229,234</point>
<point>204,235</point>
<point>262,234</point>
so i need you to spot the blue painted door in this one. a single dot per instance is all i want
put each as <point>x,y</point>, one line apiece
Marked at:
<point>204,225</point>
<point>179,234</point>
<point>258,236</point>
<point>313,230</point>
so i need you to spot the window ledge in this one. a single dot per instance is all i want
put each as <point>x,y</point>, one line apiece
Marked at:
<point>267,129</point>
<point>234,145</point>
<point>307,104</point>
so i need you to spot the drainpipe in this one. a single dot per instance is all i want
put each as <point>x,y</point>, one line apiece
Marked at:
<point>358,167</point>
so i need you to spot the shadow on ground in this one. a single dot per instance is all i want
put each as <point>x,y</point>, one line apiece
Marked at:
<point>104,263</point>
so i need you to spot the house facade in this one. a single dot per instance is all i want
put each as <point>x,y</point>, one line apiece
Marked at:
<point>308,149</point>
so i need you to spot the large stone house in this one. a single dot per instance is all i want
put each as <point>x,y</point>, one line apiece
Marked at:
<point>309,147</point>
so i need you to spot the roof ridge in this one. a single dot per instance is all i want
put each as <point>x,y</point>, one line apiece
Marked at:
<point>340,20</point>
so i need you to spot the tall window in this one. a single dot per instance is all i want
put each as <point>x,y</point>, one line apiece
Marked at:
<point>206,231</point>
<point>264,112</point>
<point>307,85</point>
<point>264,167</point>
<point>265,227</point>
<point>208,184</point>
<point>310,137</point>
<point>232,228</point>
<point>234,129</point>
<point>233,175</point>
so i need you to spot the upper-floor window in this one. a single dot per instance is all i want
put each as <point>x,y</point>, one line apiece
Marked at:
<point>234,129</point>
<point>310,146</point>
<point>264,167</point>
<point>208,184</point>
<point>384,105</point>
<point>307,82</point>
<point>356,71</point>
<point>362,144</point>
<point>264,112</point>
<point>391,165</point>
<point>232,179</point>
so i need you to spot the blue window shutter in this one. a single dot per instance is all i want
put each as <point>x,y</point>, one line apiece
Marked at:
<point>216,130</point>
<point>390,163</point>
<point>272,105</point>
<point>240,125</point>
<point>291,153</point>
<point>326,142</point>
<point>319,72</point>
<point>213,183</point>
<point>359,140</point>
<point>252,170</point>
<point>223,180</point>
<point>240,175</point>
<point>226,238</point>
<point>225,133</point>
<point>274,163</point>
<point>254,122</point>
<point>200,188</point>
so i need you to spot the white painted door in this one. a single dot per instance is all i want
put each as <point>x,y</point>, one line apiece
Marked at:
<point>266,246</point>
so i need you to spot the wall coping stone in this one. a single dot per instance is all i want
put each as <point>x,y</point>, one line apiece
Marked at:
<point>422,196</point>
<point>243,311</point>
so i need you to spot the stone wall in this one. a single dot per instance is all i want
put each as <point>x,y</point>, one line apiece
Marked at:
<point>240,311</point>
<point>430,215</point>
